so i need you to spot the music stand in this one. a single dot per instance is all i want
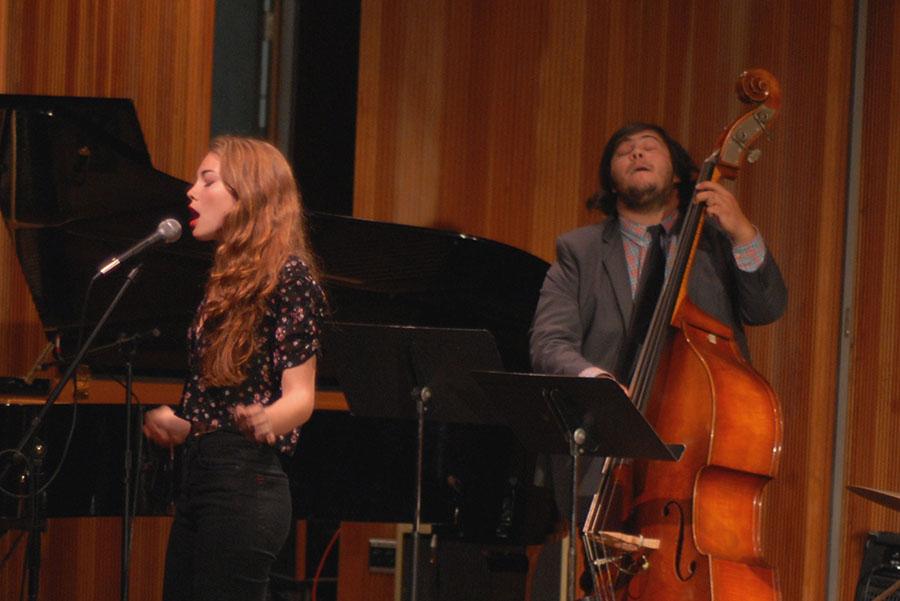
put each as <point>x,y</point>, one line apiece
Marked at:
<point>574,416</point>
<point>404,372</point>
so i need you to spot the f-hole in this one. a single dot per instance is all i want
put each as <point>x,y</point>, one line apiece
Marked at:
<point>679,549</point>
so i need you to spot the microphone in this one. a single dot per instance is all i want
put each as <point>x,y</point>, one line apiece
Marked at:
<point>167,231</point>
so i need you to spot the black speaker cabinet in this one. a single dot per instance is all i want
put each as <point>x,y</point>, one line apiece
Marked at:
<point>451,570</point>
<point>880,566</point>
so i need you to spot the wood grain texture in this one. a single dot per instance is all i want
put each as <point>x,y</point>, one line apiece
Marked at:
<point>159,54</point>
<point>21,332</point>
<point>873,425</point>
<point>490,117</point>
<point>156,52</point>
<point>80,559</point>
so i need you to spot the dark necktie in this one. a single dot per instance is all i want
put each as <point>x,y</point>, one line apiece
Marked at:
<point>653,274</point>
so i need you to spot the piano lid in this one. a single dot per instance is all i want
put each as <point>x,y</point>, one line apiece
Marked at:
<point>77,186</point>
<point>387,273</point>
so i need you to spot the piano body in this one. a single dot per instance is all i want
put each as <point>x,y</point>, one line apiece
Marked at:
<point>77,185</point>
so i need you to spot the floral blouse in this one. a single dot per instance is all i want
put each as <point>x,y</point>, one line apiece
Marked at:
<point>289,334</point>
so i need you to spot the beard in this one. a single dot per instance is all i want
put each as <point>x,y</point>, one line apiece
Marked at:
<point>647,198</point>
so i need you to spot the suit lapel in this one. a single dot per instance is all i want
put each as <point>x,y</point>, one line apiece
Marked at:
<point>616,269</point>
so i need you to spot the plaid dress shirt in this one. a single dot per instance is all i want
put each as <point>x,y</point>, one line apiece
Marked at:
<point>636,242</point>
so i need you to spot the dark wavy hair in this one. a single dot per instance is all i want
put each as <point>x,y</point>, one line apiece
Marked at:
<point>682,165</point>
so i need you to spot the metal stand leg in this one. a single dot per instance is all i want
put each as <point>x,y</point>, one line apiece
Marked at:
<point>421,396</point>
<point>575,451</point>
<point>127,518</point>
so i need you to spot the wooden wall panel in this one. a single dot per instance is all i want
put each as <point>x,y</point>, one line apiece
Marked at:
<point>873,441</point>
<point>80,560</point>
<point>159,54</point>
<point>4,38</point>
<point>489,118</point>
<point>21,332</point>
<point>156,52</point>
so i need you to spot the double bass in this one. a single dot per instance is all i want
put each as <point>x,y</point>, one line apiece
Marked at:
<point>691,530</point>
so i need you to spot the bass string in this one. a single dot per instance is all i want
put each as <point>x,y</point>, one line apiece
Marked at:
<point>603,573</point>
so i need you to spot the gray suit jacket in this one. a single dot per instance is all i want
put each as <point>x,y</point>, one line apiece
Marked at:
<point>585,305</point>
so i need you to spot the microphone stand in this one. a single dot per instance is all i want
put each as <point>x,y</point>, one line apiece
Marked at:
<point>127,517</point>
<point>34,556</point>
<point>129,350</point>
<point>421,396</point>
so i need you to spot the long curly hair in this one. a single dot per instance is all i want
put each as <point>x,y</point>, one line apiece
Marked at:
<point>683,166</point>
<point>266,226</point>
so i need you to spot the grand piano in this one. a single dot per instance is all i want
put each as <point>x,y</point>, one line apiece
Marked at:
<point>77,186</point>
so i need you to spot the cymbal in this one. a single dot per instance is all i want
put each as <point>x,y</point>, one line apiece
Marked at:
<point>888,499</point>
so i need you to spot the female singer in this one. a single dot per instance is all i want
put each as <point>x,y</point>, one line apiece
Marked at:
<point>252,356</point>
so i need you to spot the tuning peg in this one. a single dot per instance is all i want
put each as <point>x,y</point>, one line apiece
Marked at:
<point>761,119</point>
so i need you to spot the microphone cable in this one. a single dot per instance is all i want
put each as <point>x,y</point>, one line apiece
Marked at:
<point>321,565</point>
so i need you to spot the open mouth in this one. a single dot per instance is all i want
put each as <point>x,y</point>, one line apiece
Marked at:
<point>194,216</point>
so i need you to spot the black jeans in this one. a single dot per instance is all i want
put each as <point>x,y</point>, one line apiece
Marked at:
<point>232,516</point>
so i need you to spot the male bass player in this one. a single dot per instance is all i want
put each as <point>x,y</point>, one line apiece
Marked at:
<point>585,306</point>
<point>584,313</point>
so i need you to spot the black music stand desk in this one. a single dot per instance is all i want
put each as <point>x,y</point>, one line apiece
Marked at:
<point>574,416</point>
<point>409,372</point>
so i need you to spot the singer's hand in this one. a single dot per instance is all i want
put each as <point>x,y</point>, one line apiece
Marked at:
<point>253,421</point>
<point>166,429</point>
